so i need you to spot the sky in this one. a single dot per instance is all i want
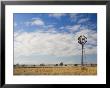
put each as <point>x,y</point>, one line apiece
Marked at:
<point>51,38</point>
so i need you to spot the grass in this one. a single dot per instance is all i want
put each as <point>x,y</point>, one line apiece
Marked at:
<point>72,70</point>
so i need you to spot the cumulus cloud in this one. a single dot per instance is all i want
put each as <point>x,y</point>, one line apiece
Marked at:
<point>73,28</point>
<point>83,20</point>
<point>35,21</point>
<point>57,15</point>
<point>79,18</point>
<point>58,44</point>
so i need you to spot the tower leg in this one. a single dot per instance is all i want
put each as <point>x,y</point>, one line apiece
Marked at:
<point>82,56</point>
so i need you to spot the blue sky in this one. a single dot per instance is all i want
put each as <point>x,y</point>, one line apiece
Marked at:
<point>52,37</point>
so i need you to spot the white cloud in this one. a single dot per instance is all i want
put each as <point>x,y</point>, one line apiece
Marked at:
<point>73,15</point>
<point>48,26</point>
<point>83,20</point>
<point>58,44</point>
<point>73,28</point>
<point>57,15</point>
<point>35,21</point>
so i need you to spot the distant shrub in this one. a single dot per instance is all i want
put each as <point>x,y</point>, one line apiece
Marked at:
<point>56,64</point>
<point>75,64</point>
<point>42,64</point>
<point>61,64</point>
<point>65,64</point>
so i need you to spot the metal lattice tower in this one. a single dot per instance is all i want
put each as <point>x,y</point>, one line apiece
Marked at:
<point>82,40</point>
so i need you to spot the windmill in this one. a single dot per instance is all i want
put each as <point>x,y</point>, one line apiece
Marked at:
<point>82,40</point>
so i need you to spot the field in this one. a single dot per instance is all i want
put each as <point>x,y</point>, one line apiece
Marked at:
<point>72,70</point>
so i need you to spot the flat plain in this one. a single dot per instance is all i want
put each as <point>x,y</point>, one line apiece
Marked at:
<point>64,70</point>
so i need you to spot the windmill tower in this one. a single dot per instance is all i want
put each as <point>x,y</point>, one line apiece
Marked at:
<point>82,40</point>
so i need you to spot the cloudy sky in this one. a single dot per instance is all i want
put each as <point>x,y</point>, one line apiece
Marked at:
<point>52,37</point>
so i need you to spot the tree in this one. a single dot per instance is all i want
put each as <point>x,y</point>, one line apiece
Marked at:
<point>75,64</point>
<point>61,64</point>
<point>56,64</point>
<point>42,64</point>
<point>17,64</point>
<point>65,64</point>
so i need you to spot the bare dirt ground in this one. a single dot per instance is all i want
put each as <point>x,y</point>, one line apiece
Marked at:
<point>76,70</point>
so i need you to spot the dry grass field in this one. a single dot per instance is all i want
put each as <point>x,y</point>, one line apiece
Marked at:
<point>75,70</point>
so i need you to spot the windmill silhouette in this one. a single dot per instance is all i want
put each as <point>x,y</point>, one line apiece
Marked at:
<point>82,40</point>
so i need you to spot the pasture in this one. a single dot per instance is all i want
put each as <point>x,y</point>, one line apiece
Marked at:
<point>61,70</point>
